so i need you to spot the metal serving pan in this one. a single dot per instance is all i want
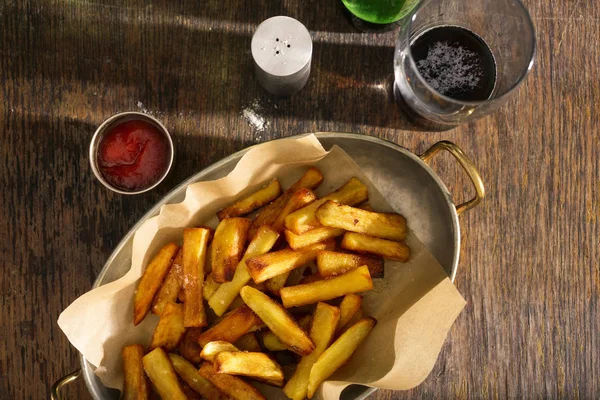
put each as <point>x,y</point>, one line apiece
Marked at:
<point>405,180</point>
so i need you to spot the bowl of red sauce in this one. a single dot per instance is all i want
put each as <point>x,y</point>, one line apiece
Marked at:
<point>131,153</point>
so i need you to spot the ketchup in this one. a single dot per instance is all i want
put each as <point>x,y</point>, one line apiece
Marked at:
<point>133,155</point>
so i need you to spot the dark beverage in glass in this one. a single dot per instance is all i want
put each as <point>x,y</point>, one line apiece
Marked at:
<point>455,62</point>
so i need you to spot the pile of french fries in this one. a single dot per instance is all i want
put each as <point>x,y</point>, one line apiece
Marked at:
<point>289,277</point>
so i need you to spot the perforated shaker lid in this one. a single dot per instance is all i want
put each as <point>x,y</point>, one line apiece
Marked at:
<point>282,52</point>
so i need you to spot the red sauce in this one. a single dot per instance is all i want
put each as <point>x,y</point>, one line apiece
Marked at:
<point>133,155</point>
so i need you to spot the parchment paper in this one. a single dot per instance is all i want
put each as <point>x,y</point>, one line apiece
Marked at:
<point>415,304</point>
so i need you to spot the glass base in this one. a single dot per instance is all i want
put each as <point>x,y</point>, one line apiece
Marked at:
<point>417,118</point>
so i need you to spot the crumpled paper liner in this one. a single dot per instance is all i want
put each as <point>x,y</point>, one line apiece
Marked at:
<point>415,304</point>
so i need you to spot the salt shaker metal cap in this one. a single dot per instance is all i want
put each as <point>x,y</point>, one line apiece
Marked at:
<point>282,52</point>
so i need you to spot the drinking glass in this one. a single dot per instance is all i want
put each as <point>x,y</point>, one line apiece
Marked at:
<point>380,11</point>
<point>503,25</point>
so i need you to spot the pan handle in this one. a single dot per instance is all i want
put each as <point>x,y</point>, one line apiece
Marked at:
<point>467,165</point>
<point>65,380</point>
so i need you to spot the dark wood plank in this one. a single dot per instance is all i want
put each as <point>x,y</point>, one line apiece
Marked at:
<point>530,260</point>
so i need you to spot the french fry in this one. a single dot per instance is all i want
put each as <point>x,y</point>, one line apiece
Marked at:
<point>365,206</point>
<point>195,243</point>
<point>338,353</point>
<point>310,279</point>
<point>170,329</point>
<point>355,318</point>
<point>251,364</point>
<point>300,198</point>
<point>189,374</point>
<point>278,321</point>
<point>279,262</point>
<point>381,247</point>
<point>159,369</point>
<point>349,306</point>
<point>135,386</point>
<point>268,214</point>
<point>190,394</point>
<point>304,219</point>
<point>333,263</point>
<point>382,225</point>
<point>272,342</point>
<point>232,327</point>
<point>236,303</point>
<point>313,236</point>
<point>262,242</point>
<point>256,200</point>
<point>231,385</point>
<point>213,348</point>
<point>227,247</point>
<point>275,284</point>
<point>210,287</point>
<point>357,280</point>
<point>151,280</point>
<point>171,286</point>
<point>248,342</point>
<point>324,324</point>
<point>189,347</point>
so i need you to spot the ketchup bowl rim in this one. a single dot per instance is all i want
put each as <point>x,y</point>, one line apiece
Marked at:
<point>114,121</point>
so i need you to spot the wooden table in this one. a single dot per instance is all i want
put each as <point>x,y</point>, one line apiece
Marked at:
<point>530,253</point>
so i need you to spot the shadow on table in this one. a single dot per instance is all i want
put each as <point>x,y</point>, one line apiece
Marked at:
<point>154,55</point>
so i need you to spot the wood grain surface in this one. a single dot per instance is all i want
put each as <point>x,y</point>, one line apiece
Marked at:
<point>530,257</point>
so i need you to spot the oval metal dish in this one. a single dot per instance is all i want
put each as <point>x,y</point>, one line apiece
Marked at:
<point>405,180</point>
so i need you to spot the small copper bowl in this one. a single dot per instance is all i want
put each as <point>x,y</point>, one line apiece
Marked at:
<point>111,123</point>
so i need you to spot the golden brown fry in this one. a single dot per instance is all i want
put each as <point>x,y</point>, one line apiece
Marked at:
<point>256,200</point>
<point>276,263</point>
<point>380,247</point>
<point>300,198</point>
<point>213,348</point>
<point>365,206</point>
<point>195,244</point>
<point>262,242</point>
<point>189,374</point>
<point>189,392</point>
<point>231,385</point>
<point>355,318</point>
<point>159,369</point>
<point>232,327</point>
<point>272,342</point>
<point>268,215</point>
<point>338,353</point>
<point>189,347</point>
<point>227,247</point>
<point>357,280</point>
<point>275,284</point>
<point>135,386</point>
<point>210,287</point>
<point>313,236</point>
<point>310,279</point>
<point>304,219</point>
<point>324,323</point>
<point>151,280</point>
<point>170,329</point>
<point>251,364</point>
<point>349,306</point>
<point>332,263</point>
<point>278,320</point>
<point>171,286</point>
<point>248,342</point>
<point>383,225</point>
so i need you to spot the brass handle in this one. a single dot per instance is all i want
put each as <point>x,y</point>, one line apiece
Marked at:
<point>65,380</point>
<point>467,165</point>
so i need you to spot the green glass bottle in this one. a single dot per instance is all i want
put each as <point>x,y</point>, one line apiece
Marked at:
<point>380,11</point>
